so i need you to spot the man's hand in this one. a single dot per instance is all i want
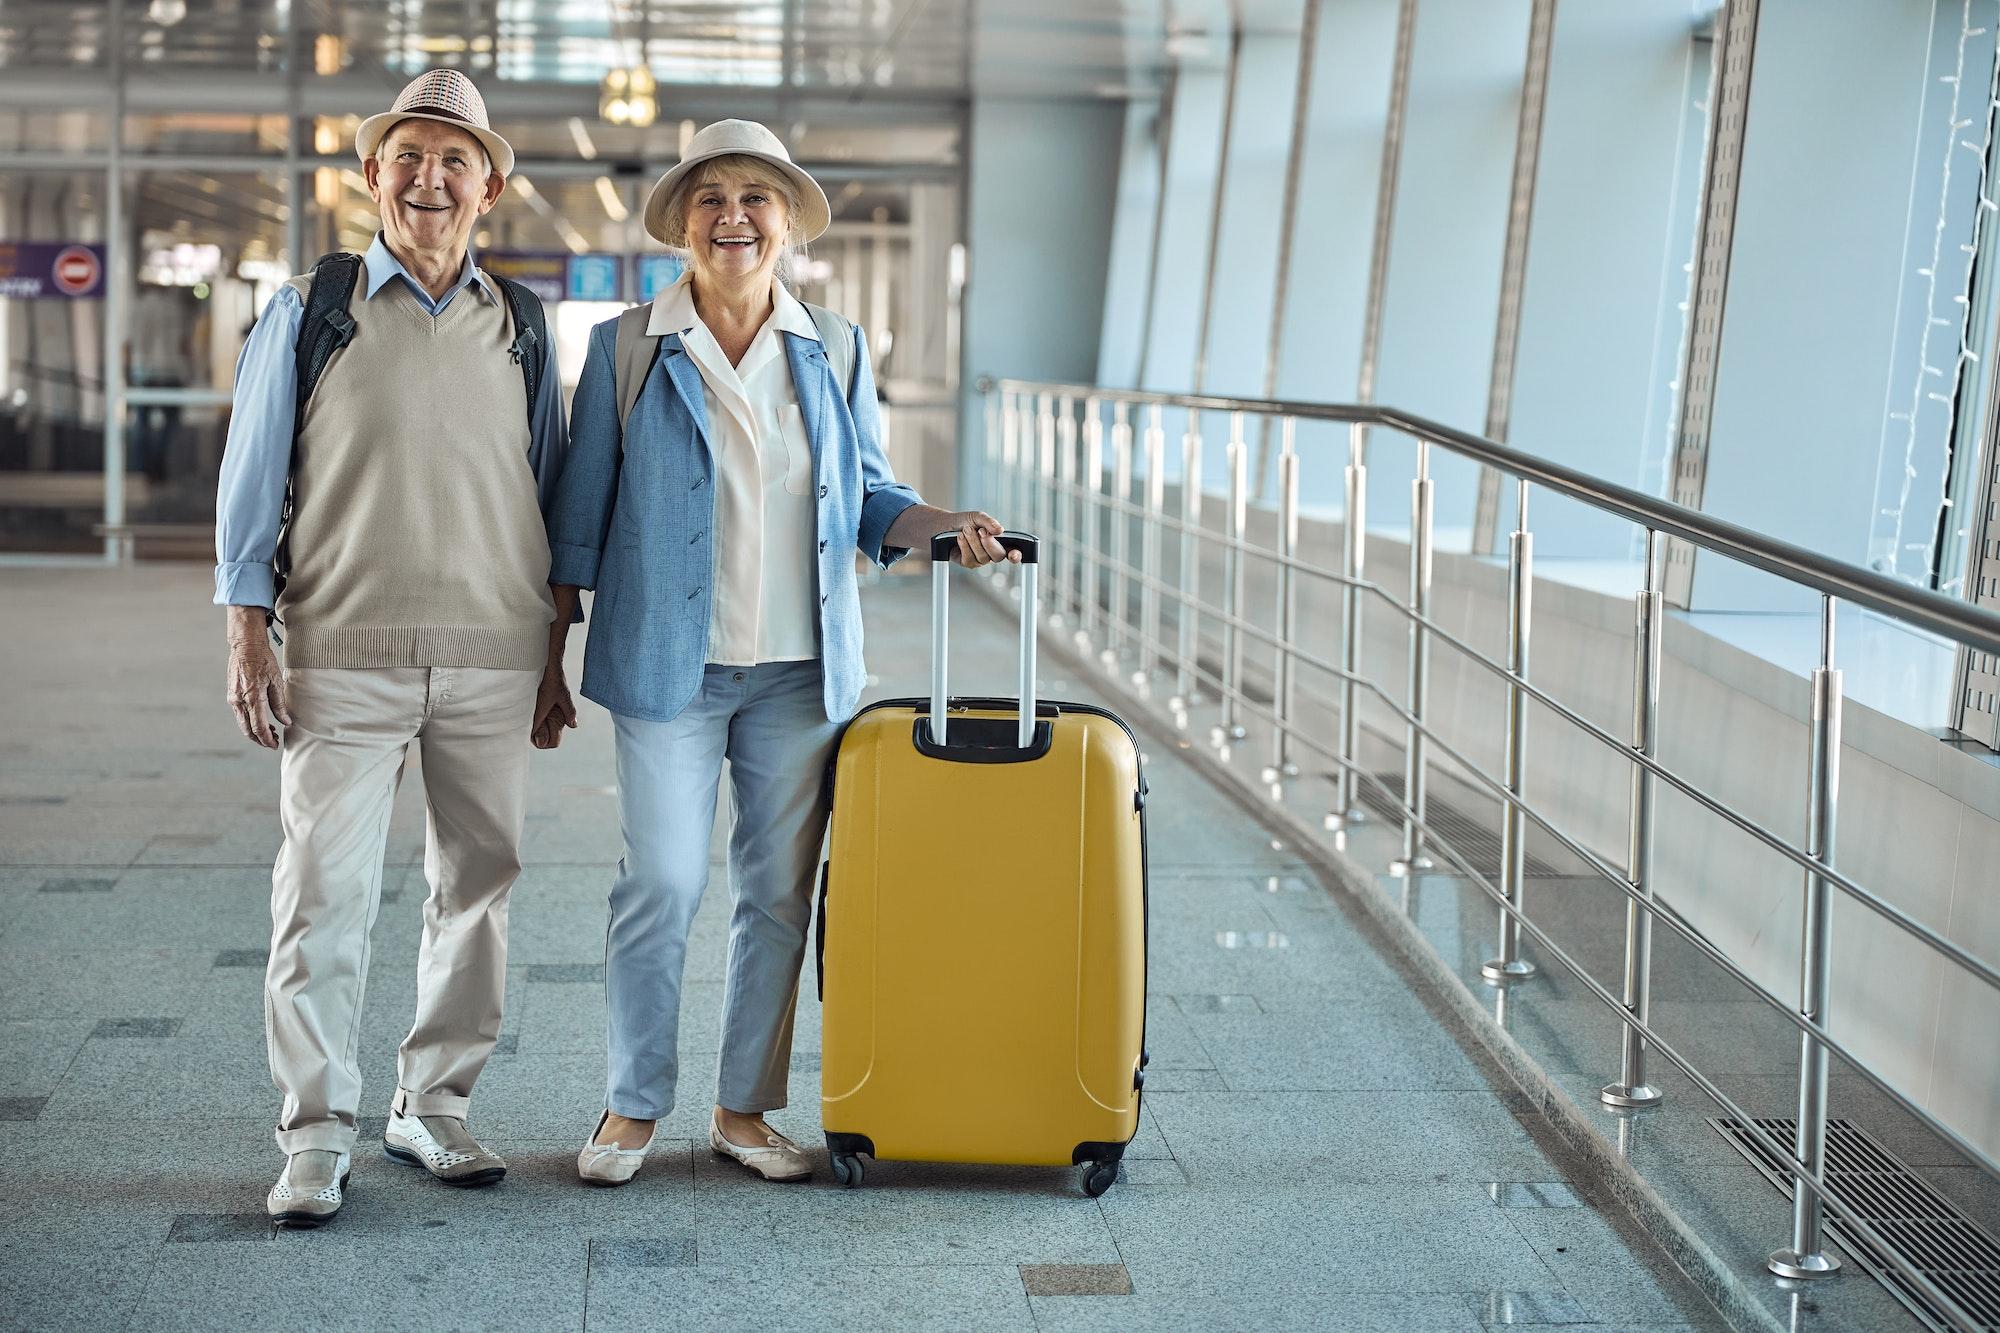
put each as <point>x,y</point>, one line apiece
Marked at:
<point>554,709</point>
<point>255,685</point>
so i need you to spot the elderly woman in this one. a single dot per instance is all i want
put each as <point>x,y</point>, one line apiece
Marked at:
<point>724,464</point>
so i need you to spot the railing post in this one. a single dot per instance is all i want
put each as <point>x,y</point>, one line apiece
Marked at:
<point>1413,859</point>
<point>1149,548</point>
<point>1187,687</point>
<point>1064,557</point>
<point>1089,538</point>
<point>1045,464</point>
<point>1283,674</point>
<point>1631,1089</point>
<point>1510,966</point>
<point>1121,529</point>
<point>1231,730</point>
<point>990,405</point>
<point>1807,1257</point>
<point>1353,564</point>
<point>1010,491</point>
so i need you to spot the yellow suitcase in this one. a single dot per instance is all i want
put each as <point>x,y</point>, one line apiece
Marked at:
<point>982,927</point>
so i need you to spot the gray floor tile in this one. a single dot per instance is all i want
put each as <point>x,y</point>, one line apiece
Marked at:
<point>220,1228</point>
<point>1076,1280</point>
<point>498,1284</point>
<point>136,1027</point>
<point>1150,1171</point>
<point>567,973</point>
<point>1971,1189</point>
<point>106,983</point>
<point>36,1052</point>
<point>907,1213</point>
<point>984,1297</point>
<point>1296,1137</point>
<point>546,927</point>
<point>150,1080</point>
<point>1337,1046</point>
<point>1537,1309</point>
<point>1333,1236</point>
<point>1270,1303</point>
<point>1534,1194</point>
<point>69,1281</point>
<point>650,1252</point>
<point>1171,1040</point>
<point>1609,1276</point>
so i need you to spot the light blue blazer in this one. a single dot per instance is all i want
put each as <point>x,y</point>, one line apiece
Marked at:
<point>635,509</point>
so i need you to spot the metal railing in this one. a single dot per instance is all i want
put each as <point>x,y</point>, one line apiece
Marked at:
<point>1044,451</point>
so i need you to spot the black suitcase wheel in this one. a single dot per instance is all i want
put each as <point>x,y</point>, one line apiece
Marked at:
<point>847,1170</point>
<point>1098,1177</point>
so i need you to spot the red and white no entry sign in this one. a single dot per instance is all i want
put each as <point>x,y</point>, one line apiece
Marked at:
<point>76,270</point>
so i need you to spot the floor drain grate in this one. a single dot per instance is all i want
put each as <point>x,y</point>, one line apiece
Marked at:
<point>1473,839</point>
<point>1933,1235</point>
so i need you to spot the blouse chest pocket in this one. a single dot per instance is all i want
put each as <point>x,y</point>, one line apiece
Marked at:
<point>798,450</point>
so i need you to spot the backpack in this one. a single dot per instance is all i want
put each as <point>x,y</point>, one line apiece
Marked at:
<point>326,327</point>
<point>637,350</point>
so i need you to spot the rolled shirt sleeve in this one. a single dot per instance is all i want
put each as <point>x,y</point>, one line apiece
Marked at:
<point>883,497</point>
<point>548,437</point>
<point>257,460</point>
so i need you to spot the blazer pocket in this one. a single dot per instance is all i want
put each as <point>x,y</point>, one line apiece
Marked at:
<point>798,450</point>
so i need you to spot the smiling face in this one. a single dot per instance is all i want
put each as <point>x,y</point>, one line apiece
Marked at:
<point>736,223</point>
<point>432,181</point>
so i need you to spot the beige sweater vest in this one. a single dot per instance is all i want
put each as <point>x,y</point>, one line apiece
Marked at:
<point>417,536</point>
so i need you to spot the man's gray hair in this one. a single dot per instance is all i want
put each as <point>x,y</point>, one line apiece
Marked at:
<point>382,144</point>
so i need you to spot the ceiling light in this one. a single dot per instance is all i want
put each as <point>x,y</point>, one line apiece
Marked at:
<point>167,13</point>
<point>614,207</point>
<point>577,132</point>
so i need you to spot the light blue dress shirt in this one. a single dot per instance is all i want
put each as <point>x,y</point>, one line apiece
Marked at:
<point>250,496</point>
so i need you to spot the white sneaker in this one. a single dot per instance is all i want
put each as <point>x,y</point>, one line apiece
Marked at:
<point>607,1163</point>
<point>780,1159</point>
<point>310,1189</point>
<point>442,1145</point>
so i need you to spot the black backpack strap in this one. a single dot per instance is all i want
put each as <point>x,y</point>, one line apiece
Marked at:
<point>531,335</point>
<point>324,328</point>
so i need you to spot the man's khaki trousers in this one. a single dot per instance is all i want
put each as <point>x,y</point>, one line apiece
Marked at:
<point>342,763</point>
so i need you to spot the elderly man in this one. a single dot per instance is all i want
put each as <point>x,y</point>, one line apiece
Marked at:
<point>397,433</point>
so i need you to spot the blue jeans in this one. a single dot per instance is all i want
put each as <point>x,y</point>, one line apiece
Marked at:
<point>770,722</point>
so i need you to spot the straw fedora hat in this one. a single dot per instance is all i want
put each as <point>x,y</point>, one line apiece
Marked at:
<point>725,138</point>
<point>448,97</point>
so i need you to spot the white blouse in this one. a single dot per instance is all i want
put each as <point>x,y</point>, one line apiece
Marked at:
<point>766,571</point>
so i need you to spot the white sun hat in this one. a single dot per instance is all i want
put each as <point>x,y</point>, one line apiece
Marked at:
<point>725,138</point>
<point>448,97</point>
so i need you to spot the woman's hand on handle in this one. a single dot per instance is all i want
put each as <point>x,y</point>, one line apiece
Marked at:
<point>979,540</point>
<point>978,534</point>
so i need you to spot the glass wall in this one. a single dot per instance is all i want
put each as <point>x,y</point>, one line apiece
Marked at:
<point>51,361</point>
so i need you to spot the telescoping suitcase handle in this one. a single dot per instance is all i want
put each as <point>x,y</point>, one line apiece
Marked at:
<point>942,547</point>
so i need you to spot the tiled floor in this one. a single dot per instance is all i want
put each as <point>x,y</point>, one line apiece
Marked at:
<point>1318,1150</point>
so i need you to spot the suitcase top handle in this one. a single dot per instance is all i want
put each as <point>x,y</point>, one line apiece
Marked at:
<point>942,546</point>
<point>945,543</point>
